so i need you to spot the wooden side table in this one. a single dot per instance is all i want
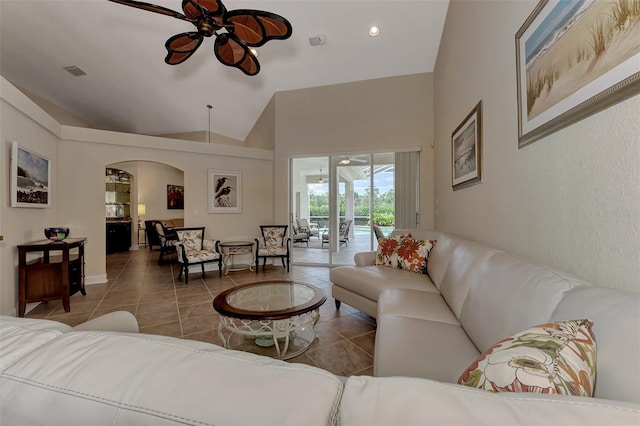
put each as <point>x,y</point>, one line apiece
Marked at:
<point>232,248</point>
<point>50,277</point>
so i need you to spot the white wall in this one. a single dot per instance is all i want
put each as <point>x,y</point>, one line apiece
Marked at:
<point>570,200</point>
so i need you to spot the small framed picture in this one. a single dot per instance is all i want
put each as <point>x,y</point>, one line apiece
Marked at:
<point>175,197</point>
<point>225,191</point>
<point>466,150</point>
<point>30,178</point>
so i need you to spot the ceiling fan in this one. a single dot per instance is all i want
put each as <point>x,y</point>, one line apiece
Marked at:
<point>348,159</point>
<point>243,29</point>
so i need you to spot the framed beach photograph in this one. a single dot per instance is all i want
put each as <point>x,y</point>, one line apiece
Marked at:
<point>30,178</point>
<point>225,191</point>
<point>573,59</point>
<point>466,150</point>
<point>175,197</point>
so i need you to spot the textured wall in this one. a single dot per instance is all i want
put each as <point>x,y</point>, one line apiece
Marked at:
<point>570,200</point>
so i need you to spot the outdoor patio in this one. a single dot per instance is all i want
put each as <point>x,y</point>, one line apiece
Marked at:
<point>317,254</point>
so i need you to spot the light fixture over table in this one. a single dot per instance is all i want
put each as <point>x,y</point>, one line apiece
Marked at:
<point>236,31</point>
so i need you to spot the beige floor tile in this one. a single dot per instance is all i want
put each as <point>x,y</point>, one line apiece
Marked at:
<point>352,325</point>
<point>167,329</point>
<point>200,309</point>
<point>207,322</point>
<point>366,342</point>
<point>158,317</point>
<point>161,305</point>
<point>342,358</point>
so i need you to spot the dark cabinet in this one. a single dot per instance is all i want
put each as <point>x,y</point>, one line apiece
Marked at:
<point>55,271</point>
<point>118,236</point>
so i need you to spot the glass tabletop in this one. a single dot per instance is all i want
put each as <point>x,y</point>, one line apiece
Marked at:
<point>269,300</point>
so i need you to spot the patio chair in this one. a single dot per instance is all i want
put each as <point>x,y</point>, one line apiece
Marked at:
<point>194,249</point>
<point>273,243</point>
<point>310,228</point>
<point>343,233</point>
<point>378,232</point>
<point>298,235</point>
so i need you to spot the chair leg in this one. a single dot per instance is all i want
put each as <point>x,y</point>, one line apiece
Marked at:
<point>338,304</point>
<point>257,264</point>
<point>264,262</point>
<point>202,264</point>
<point>283,265</point>
<point>220,267</point>
<point>186,274</point>
<point>181,269</point>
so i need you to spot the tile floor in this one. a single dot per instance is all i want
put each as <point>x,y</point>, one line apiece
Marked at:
<point>165,305</point>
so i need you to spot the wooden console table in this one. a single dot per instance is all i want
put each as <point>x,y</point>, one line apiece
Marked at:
<point>50,277</point>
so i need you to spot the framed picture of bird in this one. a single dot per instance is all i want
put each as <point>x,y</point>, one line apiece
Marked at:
<point>225,191</point>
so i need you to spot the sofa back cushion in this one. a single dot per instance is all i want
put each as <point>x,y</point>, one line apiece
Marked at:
<point>465,258</point>
<point>412,401</point>
<point>616,325</point>
<point>103,378</point>
<point>510,294</point>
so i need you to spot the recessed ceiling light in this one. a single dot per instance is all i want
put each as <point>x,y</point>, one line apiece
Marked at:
<point>374,31</point>
<point>255,52</point>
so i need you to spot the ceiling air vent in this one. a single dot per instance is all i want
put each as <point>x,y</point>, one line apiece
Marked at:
<point>75,71</point>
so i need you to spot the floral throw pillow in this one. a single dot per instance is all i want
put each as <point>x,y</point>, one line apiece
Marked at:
<point>554,358</point>
<point>404,253</point>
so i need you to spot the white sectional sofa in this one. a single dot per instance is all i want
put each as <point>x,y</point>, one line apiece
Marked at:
<point>434,326</point>
<point>51,374</point>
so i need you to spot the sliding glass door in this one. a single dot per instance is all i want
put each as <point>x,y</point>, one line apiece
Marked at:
<point>347,199</point>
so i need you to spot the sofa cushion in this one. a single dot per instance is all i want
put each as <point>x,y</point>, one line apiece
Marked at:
<point>554,358</point>
<point>510,294</point>
<point>617,328</point>
<point>370,281</point>
<point>104,378</point>
<point>19,336</point>
<point>418,402</point>
<point>404,253</point>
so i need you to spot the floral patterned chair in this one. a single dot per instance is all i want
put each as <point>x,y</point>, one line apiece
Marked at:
<point>273,243</point>
<point>193,249</point>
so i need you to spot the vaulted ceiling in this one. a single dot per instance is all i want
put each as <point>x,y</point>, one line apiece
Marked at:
<point>129,88</point>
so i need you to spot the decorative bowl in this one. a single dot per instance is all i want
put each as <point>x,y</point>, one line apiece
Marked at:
<point>56,233</point>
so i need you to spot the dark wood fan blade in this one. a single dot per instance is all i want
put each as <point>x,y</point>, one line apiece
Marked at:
<point>195,9</point>
<point>152,8</point>
<point>233,52</point>
<point>256,27</point>
<point>181,46</point>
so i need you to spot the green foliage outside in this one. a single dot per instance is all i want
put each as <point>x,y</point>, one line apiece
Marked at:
<point>383,207</point>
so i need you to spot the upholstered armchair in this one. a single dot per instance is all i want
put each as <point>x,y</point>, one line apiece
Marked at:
<point>310,228</point>
<point>273,243</point>
<point>298,235</point>
<point>168,239</point>
<point>194,249</point>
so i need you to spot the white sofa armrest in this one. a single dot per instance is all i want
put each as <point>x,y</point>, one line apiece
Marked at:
<point>366,258</point>
<point>120,321</point>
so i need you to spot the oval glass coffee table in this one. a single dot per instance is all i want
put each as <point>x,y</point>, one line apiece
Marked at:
<point>273,318</point>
